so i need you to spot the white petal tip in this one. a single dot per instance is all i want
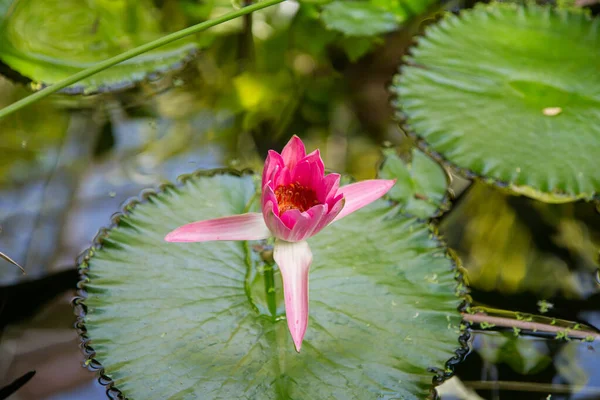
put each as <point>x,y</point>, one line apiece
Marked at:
<point>298,340</point>
<point>170,237</point>
<point>176,237</point>
<point>298,333</point>
<point>391,183</point>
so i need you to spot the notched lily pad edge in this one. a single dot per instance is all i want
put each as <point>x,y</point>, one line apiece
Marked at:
<point>462,292</point>
<point>554,197</point>
<point>82,261</point>
<point>80,308</point>
<point>79,89</point>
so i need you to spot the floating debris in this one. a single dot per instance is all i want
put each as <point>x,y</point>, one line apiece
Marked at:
<point>552,111</point>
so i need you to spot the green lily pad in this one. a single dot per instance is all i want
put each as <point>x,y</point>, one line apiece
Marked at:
<point>370,17</point>
<point>512,94</point>
<point>51,40</point>
<point>206,320</point>
<point>358,18</point>
<point>421,186</point>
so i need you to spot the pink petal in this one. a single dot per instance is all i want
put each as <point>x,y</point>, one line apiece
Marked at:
<point>328,188</point>
<point>276,226</point>
<point>268,196</point>
<point>273,166</point>
<point>360,194</point>
<point>304,224</point>
<point>282,177</point>
<point>315,158</point>
<point>333,212</point>
<point>291,217</point>
<point>294,261</point>
<point>308,174</point>
<point>250,226</point>
<point>293,152</point>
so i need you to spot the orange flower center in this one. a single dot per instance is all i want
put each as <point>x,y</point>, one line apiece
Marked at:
<point>295,197</point>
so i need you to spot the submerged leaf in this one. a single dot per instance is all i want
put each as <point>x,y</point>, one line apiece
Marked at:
<point>51,40</point>
<point>524,355</point>
<point>205,320</point>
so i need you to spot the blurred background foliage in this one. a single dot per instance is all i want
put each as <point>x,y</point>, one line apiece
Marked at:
<point>314,69</point>
<point>528,246</point>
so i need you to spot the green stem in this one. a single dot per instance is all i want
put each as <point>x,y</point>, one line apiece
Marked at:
<point>246,43</point>
<point>270,289</point>
<point>133,53</point>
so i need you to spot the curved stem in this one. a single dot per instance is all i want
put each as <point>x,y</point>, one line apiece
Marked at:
<point>13,262</point>
<point>133,53</point>
<point>529,325</point>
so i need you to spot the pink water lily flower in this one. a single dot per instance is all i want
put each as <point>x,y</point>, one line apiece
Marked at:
<point>298,201</point>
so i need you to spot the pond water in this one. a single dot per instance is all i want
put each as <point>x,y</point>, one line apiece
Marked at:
<point>67,164</point>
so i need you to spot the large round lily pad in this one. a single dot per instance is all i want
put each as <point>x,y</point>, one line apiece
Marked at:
<point>48,41</point>
<point>206,320</point>
<point>510,93</point>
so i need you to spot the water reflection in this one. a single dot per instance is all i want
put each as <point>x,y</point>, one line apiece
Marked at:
<point>517,245</point>
<point>524,255</point>
<point>526,368</point>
